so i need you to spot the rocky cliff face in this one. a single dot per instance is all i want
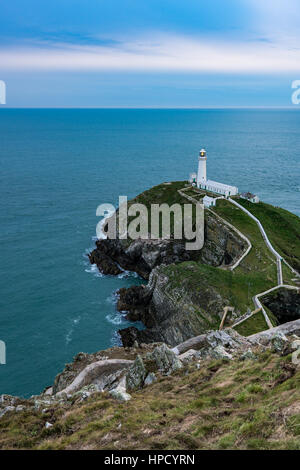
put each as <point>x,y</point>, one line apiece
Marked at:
<point>221,247</point>
<point>170,314</point>
<point>284,303</point>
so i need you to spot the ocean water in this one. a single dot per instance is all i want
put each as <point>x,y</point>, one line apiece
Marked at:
<point>57,166</point>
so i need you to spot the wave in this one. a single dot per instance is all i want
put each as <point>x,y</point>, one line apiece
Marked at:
<point>116,318</point>
<point>113,298</point>
<point>69,334</point>
<point>93,269</point>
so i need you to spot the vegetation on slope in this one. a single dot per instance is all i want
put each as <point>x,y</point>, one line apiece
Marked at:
<point>237,287</point>
<point>252,325</point>
<point>258,271</point>
<point>223,405</point>
<point>282,228</point>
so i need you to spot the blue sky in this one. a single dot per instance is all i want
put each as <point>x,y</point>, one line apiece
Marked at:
<point>156,53</point>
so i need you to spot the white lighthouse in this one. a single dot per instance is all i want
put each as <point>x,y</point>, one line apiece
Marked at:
<point>201,178</point>
<point>210,185</point>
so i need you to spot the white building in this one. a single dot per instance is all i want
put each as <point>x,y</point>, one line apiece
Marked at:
<point>193,178</point>
<point>210,185</point>
<point>209,201</point>
<point>250,197</point>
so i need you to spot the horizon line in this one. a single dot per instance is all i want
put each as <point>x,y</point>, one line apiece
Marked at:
<point>152,107</point>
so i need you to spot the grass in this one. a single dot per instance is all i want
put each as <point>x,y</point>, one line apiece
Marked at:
<point>252,325</point>
<point>223,405</point>
<point>236,288</point>
<point>165,193</point>
<point>282,228</point>
<point>256,273</point>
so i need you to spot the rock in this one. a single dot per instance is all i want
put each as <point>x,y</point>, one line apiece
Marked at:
<point>7,400</point>
<point>20,408</point>
<point>150,379</point>
<point>228,338</point>
<point>80,356</point>
<point>171,313</point>
<point>288,329</point>
<point>278,342</point>
<point>86,392</point>
<point>189,356</point>
<point>136,374</point>
<point>105,263</point>
<point>5,410</point>
<point>219,352</point>
<point>135,301</point>
<point>247,355</point>
<point>95,373</point>
<point>284,304</point>
<point>166,360</point>
<point>120,394</point>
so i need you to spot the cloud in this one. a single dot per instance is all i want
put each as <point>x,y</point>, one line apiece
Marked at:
<point>277,19</point>
<point>158,52</point>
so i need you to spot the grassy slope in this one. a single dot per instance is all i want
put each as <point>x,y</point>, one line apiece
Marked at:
<point>238,288</point>
<point>223,405</point>
<point>252,325</point>
<point>258,271</point>
<point>282,228</point>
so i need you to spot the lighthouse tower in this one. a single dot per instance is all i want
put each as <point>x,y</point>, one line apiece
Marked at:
<point>201,177</point>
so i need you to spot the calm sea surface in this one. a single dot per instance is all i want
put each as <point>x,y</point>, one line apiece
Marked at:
<point>57,166</point>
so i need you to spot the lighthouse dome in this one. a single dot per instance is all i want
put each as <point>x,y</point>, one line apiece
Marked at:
<point>202,153</point>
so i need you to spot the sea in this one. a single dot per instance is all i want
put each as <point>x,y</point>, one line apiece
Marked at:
<point>58,165</point>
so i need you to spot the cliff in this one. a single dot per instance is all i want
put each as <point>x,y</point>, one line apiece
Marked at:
<point>187,291</point>
<point>215,391</point>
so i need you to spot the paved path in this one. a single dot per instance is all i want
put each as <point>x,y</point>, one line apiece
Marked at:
<point>232,227</point>
<point>266,239</point>
<point>279,258</point>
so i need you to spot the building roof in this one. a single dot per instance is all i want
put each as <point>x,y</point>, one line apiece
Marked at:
<point>248,195</point>
<point>219,185</point>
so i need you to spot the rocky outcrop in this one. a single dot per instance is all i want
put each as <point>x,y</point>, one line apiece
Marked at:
<point>288,329</point>
<point>135,301</point>
<point>284,304</point>
<point>222,246</point>
<point>174,312</point>
<point>170,316</point>
<point>139,255</point>
<point>121,378</point>
<point>228,339</point>
<point>99,373</point>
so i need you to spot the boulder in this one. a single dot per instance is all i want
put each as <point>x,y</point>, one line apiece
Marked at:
<point>189,356</point>
<point>166,360</point>
<point>150,379</point>
<point>136,374</point>
<point>7,409</point>
<point>120,394</point>
<point>247,355</point>
<point>219,352</point>
<point>278,342</point>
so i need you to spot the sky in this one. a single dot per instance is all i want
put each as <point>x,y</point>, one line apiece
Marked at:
<point>149,53</point>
